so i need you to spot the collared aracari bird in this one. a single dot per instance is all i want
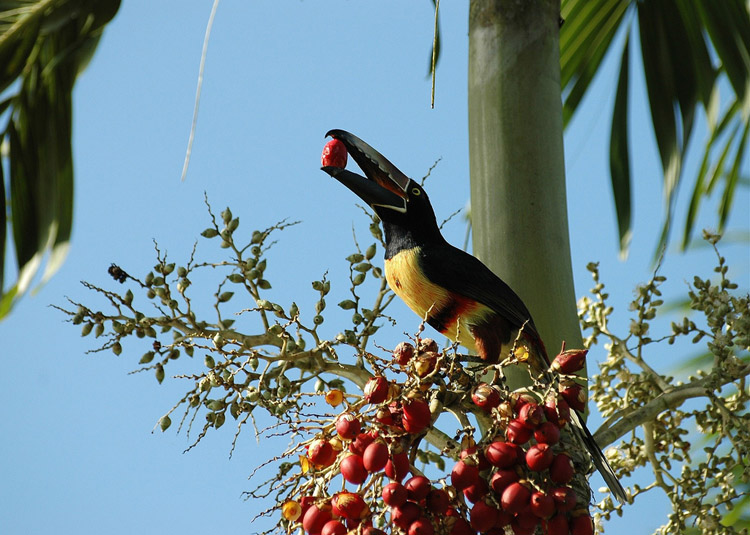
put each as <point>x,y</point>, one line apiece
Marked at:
<point>455,292</point>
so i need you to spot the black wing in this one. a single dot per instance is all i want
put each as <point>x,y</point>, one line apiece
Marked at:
<point>464,274</point>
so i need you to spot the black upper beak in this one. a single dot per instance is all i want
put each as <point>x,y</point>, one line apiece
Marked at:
<point>385,185</point>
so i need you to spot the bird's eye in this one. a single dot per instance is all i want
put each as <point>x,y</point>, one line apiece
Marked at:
<point>415,191</point>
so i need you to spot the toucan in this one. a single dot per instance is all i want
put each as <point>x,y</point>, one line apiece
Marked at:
<point>451,289</point>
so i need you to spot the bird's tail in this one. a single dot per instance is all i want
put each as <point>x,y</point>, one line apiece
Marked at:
<point>598,457</point>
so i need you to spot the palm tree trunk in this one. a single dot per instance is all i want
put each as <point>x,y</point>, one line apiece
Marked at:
<point>518,201</point>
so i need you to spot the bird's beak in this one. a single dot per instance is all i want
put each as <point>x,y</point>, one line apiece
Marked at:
<point>384,185</point>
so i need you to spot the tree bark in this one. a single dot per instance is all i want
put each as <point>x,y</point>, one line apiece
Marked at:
<point>518,201</point>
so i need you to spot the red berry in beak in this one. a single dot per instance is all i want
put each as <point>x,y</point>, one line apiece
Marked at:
<point>334,154</point>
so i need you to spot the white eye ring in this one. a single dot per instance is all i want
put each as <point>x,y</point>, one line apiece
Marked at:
<point>415,191</point>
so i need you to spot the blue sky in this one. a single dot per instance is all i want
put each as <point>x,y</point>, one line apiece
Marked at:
<point>77,454</point>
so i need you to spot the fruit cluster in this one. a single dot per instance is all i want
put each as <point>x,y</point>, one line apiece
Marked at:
<point>516,478</point>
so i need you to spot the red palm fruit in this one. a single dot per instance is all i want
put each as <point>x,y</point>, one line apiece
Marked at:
<point>477,491</point>
<point>504,518</point>
<point>305,502</point>
<point>542,505</point>
<point>385,416</point>
<point>485,397</point>
<point>515,498</point>
<point>459,526</point>
<point>565,498</point>
<point>376,389</point>
<point>531,415</point>
<point>348,505</point>
<point>394,494</point>
<point>425,345</point>
<point>397,466</point>
<point>482,516</point>
<point>334,154</point>
<point>561,470</point>
<point>524,524</point>
<point>539,457</point>
<point>315,518</point>
<point>568,362</point>
<point>424,364</point>
<point>464,474</point>
<point>527,520</point>
<point>403,353</point>
<point>557,525</point>
<point>360,443</point>
<point>369,530</point>
<point>418,487</point>
<point>581,525</point>
<point>547,433</point>
<point>333,527</point>
<point>353,469</point>
<point>437,501</point>
<point>421,526</point>
<point>502,478</point>
<point>482,462</point>
<point>501,454</point>
<point>517,432</point>
<point>416,415</point>
<point>557,410</point>
<point>348,426</point>
<point>574,394</point>
<point>519,399</point>
<point>321,453</point>
<point>406,513</point>
<point>375,456</point>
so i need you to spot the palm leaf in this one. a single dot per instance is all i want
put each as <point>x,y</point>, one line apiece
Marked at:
<point>687,49</point>
<point>45,44</point>
<point>619,153</point>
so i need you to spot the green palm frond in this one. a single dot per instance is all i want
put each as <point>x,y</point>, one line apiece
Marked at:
<point>689,49</point>
<point>44,45</point>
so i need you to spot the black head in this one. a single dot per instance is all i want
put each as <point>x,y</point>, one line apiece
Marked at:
<point>400,202</point>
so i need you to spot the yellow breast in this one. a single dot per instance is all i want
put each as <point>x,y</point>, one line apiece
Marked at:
<point>428,300</point>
